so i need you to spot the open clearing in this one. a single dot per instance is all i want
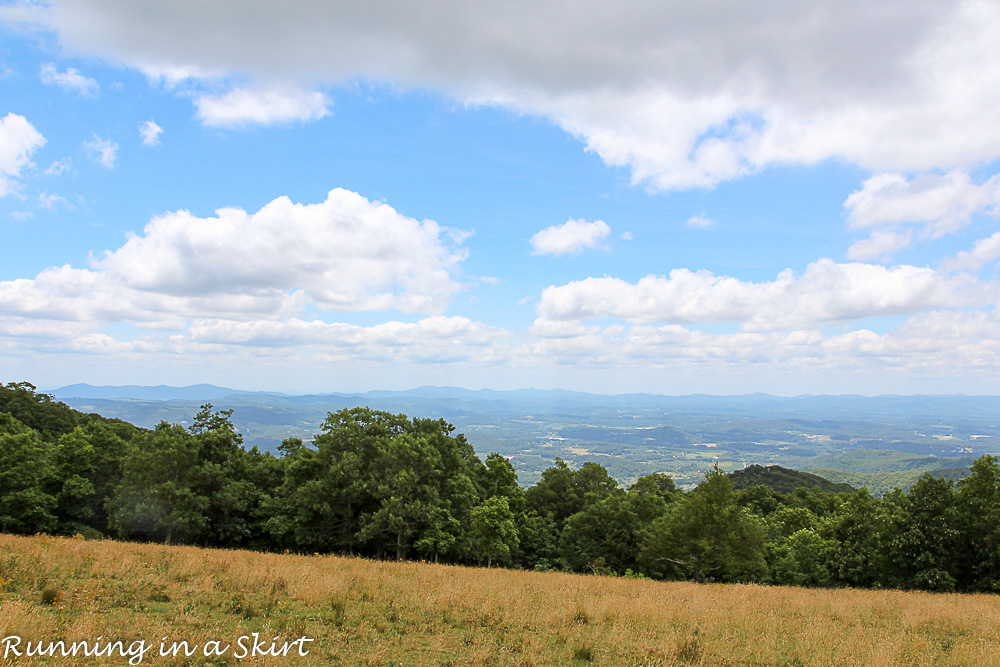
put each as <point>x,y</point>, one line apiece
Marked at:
<point>361,612</point>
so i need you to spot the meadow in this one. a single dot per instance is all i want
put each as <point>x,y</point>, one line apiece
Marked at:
<point>363,612</point>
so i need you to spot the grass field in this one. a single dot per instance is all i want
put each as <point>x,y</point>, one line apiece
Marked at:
<point>359,612</point>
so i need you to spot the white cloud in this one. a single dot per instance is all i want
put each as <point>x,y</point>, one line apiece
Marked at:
<point>70,80</point>
<point>18,141</point>
<point>984,252</point>
<point>429,338</point>
<point>49,200</point>
<point>59,167</point>
<point>172,76</point>
<point>941,202</point>
<point>569,237</point>
<point>895,207</point>
<point>825,293</point>
<point>242,107</point>
<point>700,221</point>
<point>924,352</point>
<point>940,343</point>
<point>685,95</point>
<point>150,133</point>
<point>880,245</point>
<point>346,253</point>
<point>102,151</point>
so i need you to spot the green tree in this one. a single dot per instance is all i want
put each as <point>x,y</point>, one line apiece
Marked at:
<point>406,500</point>
<point>805,559</point>
<point>157,497</point>
<point>538,542</point>
<point>604,534</point>
<point>855,554</point>
<point>224,477</point>
<point>562,492</point>
<point>493,529</point>
<point>920,535</point>
<point>75,466</point>
<point>706,535</point>
<point>498,478</point>
<point>26,474</point>
<point>555,494</point>
<point>40,412</point>
<point>979,522</point>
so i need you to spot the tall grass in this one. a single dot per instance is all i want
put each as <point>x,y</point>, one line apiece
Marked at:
<point>362,612</point>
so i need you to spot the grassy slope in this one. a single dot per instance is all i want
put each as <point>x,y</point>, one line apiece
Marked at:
<point>374,613</point>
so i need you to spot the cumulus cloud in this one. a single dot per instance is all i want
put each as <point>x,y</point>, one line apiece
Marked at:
<point>69,80</point>
<point>824,293</point>
<point>569,237</point>
<point>685,95</point>
<point>150,133</point>
<point>102,151</point>
<point>18,141</point>
<point>345,253</point>
<point>241,107</point>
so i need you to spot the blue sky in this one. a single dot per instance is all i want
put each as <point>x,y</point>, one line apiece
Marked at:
<point>662,197</point>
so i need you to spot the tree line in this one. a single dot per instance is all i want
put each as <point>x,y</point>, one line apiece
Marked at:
<point>388,486</point>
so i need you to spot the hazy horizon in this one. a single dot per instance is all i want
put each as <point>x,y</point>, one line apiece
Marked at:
<point>61,389</point>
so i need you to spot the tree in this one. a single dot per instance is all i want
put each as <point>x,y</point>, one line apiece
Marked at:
<point>855,557</point>
<point>223,478</point>
<point>563,492</point>
<point>650,497</point>
<point>405,497</point>
<point>26,473</point>
<point>603,534</point>
<point>805,560</point>
<point>498,478</point>
<point>538,542</point>
<point>493,530</point>
<point>157,497</point>
<point>75,465</point>
<point>920,536</point>
<point>377,483</point>
<point>979,521</point>
<point>706,535</point>
<point>40,412</point>
<point>555,494</point>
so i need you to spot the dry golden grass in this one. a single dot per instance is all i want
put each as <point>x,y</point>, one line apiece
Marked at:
<point>361,612</point>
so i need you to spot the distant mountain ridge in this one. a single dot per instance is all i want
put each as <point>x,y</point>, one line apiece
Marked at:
<point>158,392</point>
<point>755,400</point>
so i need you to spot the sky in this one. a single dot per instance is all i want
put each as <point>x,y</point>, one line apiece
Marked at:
<point>644,196</point>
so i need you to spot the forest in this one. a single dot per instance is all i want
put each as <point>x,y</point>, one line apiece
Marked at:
<point>387,486</point>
